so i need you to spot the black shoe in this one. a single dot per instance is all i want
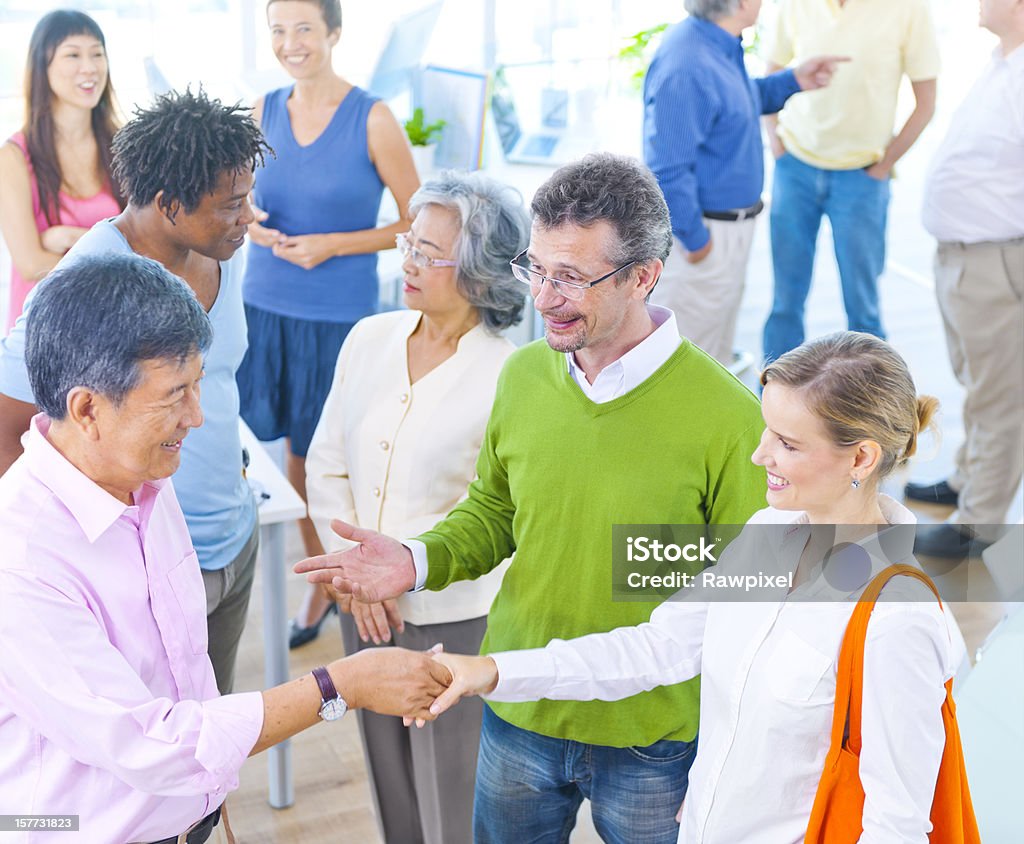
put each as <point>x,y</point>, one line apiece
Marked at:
<point>299,636</point>
<point>947,542</point>
<point>939,493</point>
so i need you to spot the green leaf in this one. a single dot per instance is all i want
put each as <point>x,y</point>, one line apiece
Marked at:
<point>419,132</point>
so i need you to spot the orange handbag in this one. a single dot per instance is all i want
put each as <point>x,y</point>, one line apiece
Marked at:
<point>839,802</point>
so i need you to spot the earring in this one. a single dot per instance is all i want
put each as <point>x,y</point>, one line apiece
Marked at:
<point>855,483</point>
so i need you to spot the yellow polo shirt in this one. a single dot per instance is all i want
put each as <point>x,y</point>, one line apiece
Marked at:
<point>849,123</point>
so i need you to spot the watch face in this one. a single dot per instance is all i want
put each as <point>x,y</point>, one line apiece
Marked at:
<point>332,710</point>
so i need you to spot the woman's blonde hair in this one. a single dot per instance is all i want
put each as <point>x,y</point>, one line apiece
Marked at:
<point>861,389</point>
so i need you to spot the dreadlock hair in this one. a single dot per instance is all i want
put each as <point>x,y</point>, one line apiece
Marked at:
<point>181,145</point>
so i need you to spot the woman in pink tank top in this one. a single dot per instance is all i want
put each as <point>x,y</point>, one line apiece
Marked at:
<point>56,170</point>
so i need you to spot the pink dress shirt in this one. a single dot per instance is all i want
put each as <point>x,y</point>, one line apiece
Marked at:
<point>108,705</point>
<point>72,211</point>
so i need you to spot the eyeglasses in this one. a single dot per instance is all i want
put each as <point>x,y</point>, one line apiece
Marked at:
<point>420,259</point>
<point>568,289</point>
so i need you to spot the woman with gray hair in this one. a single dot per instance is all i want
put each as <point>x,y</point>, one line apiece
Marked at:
<point>396,449</point>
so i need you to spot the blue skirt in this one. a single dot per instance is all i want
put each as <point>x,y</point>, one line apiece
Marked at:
<point>286,375</point>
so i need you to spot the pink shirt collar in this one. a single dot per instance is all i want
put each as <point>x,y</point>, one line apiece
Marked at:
<point>91,506</point>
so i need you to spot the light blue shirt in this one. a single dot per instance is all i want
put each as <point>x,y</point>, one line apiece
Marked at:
<point>214,496</point>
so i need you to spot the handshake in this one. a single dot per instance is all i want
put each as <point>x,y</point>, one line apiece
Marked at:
<point>392,681</point>
<point>417,686</point>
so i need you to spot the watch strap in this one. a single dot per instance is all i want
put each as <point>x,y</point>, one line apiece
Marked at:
<point>326,684</point>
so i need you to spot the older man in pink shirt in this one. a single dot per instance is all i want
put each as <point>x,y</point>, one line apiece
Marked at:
<point>108,705</point>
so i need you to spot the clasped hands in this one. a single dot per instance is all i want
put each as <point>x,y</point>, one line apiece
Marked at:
<point>303,250</point>
<point>365,580</point>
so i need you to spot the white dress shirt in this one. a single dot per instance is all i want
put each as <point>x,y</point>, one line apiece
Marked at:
<point>634,367</point>
<point>616,379</point>
<point>975,187</point>
<point>396,457</point>
<point>768,677</point>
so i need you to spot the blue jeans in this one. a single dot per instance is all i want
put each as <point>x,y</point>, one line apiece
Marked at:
<point>529,787</point>
<point>857,206</point>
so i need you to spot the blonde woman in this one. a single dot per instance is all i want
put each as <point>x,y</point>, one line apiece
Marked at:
<point>840,414</point>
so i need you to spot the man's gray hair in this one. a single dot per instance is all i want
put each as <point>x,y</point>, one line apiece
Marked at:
<point>616,189</point>
<point>95,320</point>
<point>493,229</point>
<point>711,10</point>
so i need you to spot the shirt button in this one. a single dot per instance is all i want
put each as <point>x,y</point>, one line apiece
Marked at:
<point>376,492</point>
<point>384,446</point>
<point>404,398</point>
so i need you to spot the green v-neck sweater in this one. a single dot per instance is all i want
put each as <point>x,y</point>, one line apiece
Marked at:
<point>555,472</point>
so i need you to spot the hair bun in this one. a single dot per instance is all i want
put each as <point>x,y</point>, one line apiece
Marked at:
<point>927,408</point>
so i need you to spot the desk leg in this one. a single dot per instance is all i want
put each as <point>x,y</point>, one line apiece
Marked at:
<point>275,649</point>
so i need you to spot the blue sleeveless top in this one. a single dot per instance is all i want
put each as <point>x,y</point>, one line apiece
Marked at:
<point>329,186</point>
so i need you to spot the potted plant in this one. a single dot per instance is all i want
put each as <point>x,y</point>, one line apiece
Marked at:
<point>423,138</point>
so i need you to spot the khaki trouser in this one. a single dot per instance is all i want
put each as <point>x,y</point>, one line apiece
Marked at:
<point>706,296</point>
<point>980,288</point>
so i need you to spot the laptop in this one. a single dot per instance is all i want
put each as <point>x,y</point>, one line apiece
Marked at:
<point>552,145</point>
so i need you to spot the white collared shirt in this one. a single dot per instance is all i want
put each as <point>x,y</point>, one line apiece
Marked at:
<point>634,367</point>
<point>768,677</point>
<point>975,187</point>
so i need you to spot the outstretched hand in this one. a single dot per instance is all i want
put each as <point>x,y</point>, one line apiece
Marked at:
<point>377,569</point>
<point>817,72</point>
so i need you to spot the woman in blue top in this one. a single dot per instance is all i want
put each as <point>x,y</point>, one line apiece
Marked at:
<point>312,269</point>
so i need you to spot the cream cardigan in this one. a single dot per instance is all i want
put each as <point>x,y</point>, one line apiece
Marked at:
<point>396,457</point>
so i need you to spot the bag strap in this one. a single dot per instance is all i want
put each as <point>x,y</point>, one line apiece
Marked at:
<point>850,670</point>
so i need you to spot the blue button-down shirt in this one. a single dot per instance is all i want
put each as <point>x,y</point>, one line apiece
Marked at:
<point>702,136</point>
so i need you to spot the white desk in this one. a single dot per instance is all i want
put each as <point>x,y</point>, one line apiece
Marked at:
<point>279,504</point>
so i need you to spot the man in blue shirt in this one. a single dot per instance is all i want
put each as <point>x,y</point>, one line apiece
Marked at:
<point>702,139</point>
<point>186,167</point>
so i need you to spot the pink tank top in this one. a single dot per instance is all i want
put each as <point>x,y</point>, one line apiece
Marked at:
<point>71,212</point>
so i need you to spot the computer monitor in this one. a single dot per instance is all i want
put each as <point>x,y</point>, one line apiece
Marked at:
<point>403,52</point>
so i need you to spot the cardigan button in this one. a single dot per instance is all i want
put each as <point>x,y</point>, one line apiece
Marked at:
<point>384,445</point>
<point>404,398</point>
<point>376,492</point>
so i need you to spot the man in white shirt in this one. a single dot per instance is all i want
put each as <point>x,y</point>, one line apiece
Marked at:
<point>974,207</point>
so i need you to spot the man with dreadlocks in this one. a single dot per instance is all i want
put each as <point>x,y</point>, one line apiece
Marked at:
<point>186,168</point>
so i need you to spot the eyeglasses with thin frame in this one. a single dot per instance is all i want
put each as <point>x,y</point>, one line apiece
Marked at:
<point>568,289</point>
<point>420,259</point>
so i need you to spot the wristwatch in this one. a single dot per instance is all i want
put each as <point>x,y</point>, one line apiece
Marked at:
<point>333,705</point>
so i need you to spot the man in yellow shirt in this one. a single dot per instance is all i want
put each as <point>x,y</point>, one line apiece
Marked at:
<point>835,149</point>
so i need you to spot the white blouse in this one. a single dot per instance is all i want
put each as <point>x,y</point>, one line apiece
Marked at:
<point>768,677</point>
<point>396,457</point>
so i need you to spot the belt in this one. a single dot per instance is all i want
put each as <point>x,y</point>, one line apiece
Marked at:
<point>962,246</point>
<point>198,833</point>
<point>737,214</point>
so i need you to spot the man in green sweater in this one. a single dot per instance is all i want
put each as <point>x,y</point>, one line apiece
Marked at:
<point>613,420</point>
